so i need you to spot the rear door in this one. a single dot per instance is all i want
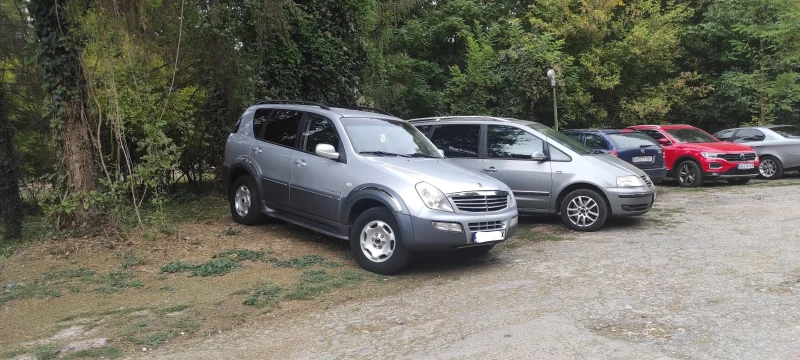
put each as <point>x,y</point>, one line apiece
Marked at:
<point>273,150</point>
<point>751,137</point>
<point>460,143</point>
<point>638,149</point>
<point>508,159</point>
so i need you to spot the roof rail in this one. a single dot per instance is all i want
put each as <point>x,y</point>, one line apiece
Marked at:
<point>364,108</point>
<point>291,102</point>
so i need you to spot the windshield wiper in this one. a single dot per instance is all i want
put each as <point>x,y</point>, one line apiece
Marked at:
<point>381,153</point>
<point>421,155</point>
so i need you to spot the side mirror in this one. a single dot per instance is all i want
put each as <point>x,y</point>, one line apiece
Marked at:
<point>327,151</point>
<point>664,142</point>
<point>441,152</point>
<point>538,156</point>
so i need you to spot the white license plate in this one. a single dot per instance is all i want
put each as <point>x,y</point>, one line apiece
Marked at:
<point>485,236</point>
<point>746,166</point>
<point>642,159</point>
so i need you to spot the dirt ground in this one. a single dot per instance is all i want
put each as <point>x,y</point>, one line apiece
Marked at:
<point>712,273</point>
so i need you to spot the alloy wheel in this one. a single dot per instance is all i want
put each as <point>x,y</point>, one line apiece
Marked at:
<point>687,174</point>
<point>242,200</point>
<point>377,241</point>
<point>768,168</point>
<point>583,211</point>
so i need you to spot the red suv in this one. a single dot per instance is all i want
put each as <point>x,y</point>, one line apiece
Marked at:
<point>692,155</point>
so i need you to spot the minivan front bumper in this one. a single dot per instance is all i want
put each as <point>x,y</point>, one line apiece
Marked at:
<point>428,238</point>
<point>631,201</point>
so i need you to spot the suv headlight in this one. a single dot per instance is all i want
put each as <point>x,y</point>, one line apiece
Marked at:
<point>711,155</point>
<point>629,181</point>
<point>433,197</point>
<point>512,201</point>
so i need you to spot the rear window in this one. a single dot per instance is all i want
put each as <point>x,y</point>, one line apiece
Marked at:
<point>282,127</point>
<point>631,140</point>
<point>787,130</point>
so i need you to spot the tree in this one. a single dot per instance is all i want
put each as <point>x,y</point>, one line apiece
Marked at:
<point>10,201</point>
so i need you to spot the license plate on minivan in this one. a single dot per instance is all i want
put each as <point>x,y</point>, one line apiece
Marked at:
<point>486,236</point>
<point>640,159</point>
<point>746,166</point>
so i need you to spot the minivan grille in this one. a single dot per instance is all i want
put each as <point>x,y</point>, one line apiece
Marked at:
<point>739,157</point>
<point>647,180</point>
<point>487,226</point>
<point>477,202</point>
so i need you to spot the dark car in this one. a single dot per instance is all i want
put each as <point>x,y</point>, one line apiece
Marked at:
<point>632,146</point>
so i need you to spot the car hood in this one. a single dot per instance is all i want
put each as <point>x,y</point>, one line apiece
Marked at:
<point>445,175</point>
<point>719,146</point>
<point>614,165</point>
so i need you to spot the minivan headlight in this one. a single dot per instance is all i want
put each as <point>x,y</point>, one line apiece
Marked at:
<point>433,197</point>
<point>629,181</point>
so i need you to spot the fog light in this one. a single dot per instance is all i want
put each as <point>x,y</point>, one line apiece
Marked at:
<point>513,221</point>
<point>446,226</point>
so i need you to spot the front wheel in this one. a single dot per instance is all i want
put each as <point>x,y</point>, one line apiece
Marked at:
<point>377,244</point>
<point>739,181</point>
<point>770,168</point>
<point>584,210</point>
<point>689,174</point>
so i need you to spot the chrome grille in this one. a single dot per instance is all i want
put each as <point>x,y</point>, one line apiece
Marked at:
<point>647,180</point>
<point>487,226</point>
<point>481,201</point>
<point>738,157</point>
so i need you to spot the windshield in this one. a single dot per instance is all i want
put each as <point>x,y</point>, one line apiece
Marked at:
<point>691,136</point>
<point>383,137</point>
<point>787,130</point>
<point>562,139</point>
<point>631,140</point>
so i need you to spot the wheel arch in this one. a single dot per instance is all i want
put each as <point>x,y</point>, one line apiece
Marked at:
<point>367,197</point>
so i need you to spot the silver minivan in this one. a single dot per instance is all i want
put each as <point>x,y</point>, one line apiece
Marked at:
<point>548,172</point>
<point>363,176</point>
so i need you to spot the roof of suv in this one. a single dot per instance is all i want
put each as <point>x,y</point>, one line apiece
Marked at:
<point>448,119</point>
<point>355,111</point>
<point>603,131</point>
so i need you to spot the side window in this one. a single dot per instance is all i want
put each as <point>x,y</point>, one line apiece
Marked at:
<point>320,130</point>
<point>425,129</point>
<point>259,120</point>
<point>595,142</point>
<point>457,141</point>
<point>575,136</point>
<point>747,135</point>
<point>558,155</point>
<point>655,134</point>
<point>506,142</point>
<point>724,135</point>
<point>282,127</point>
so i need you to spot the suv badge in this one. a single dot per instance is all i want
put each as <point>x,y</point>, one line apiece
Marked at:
<point>642,151</point>
<point>741,156</point>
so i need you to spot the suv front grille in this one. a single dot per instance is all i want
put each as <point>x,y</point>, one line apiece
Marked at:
<point>738,157</point>
<point>487,226</point>
<point>481,201</point>
<point>647,180</point>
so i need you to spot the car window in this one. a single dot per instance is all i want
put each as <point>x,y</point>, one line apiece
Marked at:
<point>507,142</point>
<point>631,140</point>
<point>259,119</point>
<point>725,135</point>
<point>689,135</point>
<point>457,141</point>
<point>425,129</point>
<point>320,130</point>
<point>561,139</point>
<point>282,127</point>
<point>388,137</point>
<point>655,134</point>
<point>787,130</point>
<point>575,136</point>
<point>558,155</point>
<point>747,135</point>
<point>595,142</point>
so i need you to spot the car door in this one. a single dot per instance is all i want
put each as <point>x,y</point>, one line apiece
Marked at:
<point>317,183</point>
<point>273,150</point>
<point>670,151</point>
<point>751,137</point>
<point>508,159</point>
<point>460,144</point>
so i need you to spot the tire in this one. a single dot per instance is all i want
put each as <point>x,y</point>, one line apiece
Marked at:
<point>582,205</point>
<point>376,232</point>
<point>244,199</point>
<point>739,181</point>
<point>689,174</point>
<point>477,251</point>
<point>770,168</point>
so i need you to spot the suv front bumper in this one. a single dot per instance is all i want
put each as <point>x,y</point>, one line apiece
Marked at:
<point>427,238</point>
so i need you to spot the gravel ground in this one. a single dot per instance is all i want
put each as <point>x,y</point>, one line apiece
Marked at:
<point>707,275</point>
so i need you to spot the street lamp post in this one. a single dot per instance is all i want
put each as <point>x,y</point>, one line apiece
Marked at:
<point>551,74</point>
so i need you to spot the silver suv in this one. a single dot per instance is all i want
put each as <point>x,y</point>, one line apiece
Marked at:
<point>363,176</point>
<point>549,172</point>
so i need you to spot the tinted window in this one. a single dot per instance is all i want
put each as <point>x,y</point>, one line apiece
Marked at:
<point>724,135</point>
<point>282,127</point>
<point>655,134</point>
<point>320,130</point>
<point>631,140</point>
<point>259,119</point>
<point>595,142</point>
<point>457,141</point>
<point>425,129</point>
<point>787,130</point>
<point>745,135</point>
<point>688,135</point>
<point>506,142</point>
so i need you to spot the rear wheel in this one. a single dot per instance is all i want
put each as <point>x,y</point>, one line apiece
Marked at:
<point>377,244</point>
<point>584,210</point>
<point>770,168</point>
<point>689,174</point>
<point>244,200</point>
<point>739,181</point>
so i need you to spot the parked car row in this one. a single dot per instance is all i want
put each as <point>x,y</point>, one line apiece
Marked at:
<point>393,187</point>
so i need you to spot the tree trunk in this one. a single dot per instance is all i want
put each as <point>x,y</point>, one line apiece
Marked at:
<point>763,98</point>
<point>10,201</point>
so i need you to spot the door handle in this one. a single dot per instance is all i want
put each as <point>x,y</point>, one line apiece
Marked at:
<point>300,162</point>
<point>257,150</point>
<point>491,169</point>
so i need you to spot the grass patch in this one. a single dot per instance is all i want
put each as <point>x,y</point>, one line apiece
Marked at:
<point>301,262</point>
<point>313,283</point>
<point>130,260</point>
<point>225,262</point>
<point>241,255</point>
<point>172,309</point>
<point>46,352</point>
<point>151,338</point>
<point>106,352</point>
<point>176,267</point>
<point>264,296</point>
<point>117,281</point>
<point>22,291</point>
<point>14,353</point>
<point>188,325</point>
<point>6,251</point>
<point>215,268</point>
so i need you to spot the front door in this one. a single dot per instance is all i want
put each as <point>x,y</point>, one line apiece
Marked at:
<point>460,144</point>
<point>273,150</point>
<point>318,183</point>
<point>508,159</point>
<point>670,151</point>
